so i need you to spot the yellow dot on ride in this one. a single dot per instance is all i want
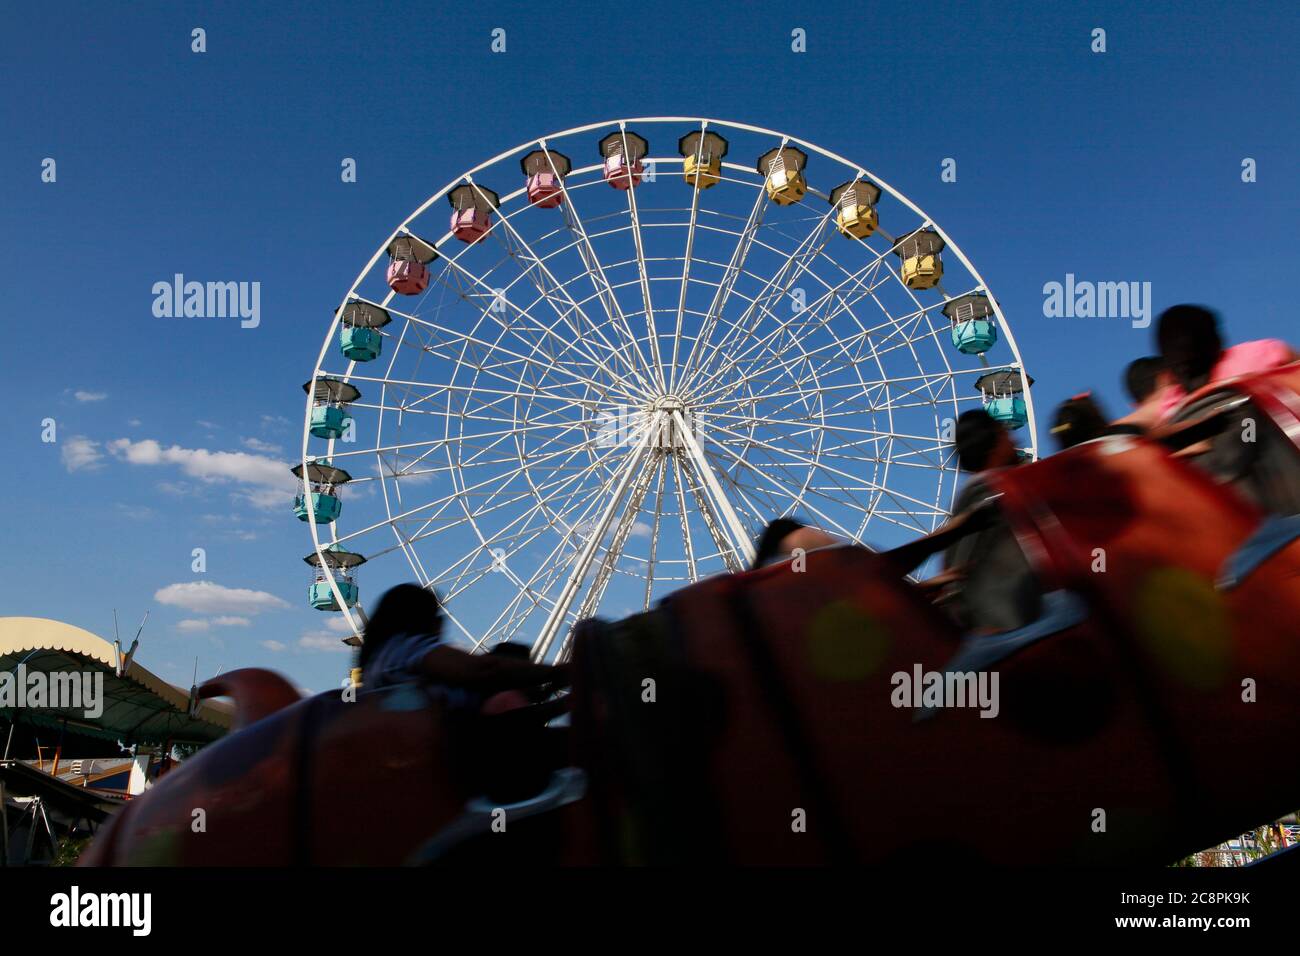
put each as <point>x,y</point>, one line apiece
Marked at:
<point>845,642</point>
<point>1183,624</point>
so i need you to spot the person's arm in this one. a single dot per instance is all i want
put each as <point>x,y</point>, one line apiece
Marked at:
<point>487,672</point>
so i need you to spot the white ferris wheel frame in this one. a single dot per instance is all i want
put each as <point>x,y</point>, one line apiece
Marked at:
<point>733,527</point>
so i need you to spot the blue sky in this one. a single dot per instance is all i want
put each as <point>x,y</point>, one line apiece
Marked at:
<point>1122,166</point>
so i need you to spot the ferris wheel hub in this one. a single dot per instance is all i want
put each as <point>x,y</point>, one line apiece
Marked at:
<point>668,403</point>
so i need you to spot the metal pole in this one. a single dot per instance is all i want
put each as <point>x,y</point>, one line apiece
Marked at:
<point>741,545</point>
<point>58,750</point>
<point>556,619</point>
<point>49,832</point>
<point>31,832</point>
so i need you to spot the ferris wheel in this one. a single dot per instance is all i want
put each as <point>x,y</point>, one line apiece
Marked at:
<point>617,352</point>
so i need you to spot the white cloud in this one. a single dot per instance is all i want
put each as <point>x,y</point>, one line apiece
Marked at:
<point>265,447</point>
<point>83,396</point>
<point>640,530</point>
<point>79,452</point>
<point>269,479</point>
<point>339,625</point>
<point>265,499</point>
<point>321,641</point>
<point>191,624</point>
<point>134,422</point>
<point>205,597</point>
<point>275,646</point>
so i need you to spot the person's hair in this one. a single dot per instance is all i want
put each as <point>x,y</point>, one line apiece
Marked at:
<point>769,542</point>
<point>1140,377</point>
<point>1078,419</point>
<point>976,436</point>
<point>1190,344</point>
<point>406,608</point>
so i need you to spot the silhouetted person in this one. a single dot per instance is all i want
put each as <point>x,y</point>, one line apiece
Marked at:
<point>404,642</point>
<point>997,590</point>
<point>1264,469</point>
<point>1192,351</point>
<point>1148,385</point>
<point>781,537</point>
<point>1077,420</point>
<point>1142,378</point>
<point>982,442</point>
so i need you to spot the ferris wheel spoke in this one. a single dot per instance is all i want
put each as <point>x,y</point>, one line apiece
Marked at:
<point>741,545</point>
<point>759,513</point>
<point>524,468</point>
<point>713,521</point>
<point>687,259</point>
<point>779,472</point>
<point>796,329</point>
<point>556,620</point>
<point>657,368</point>
<point>557,487</point>
<point>797,497</point>
<point>852,389</point>
<point>614,551</point>
<point>795,265</point>
<point>844,305</point>
<point>489,545</point>
<point>662,469</point>
<point>596,273</point>
<point>513,430</point>
<point>802,493</point>
<point>806,322</point>
<point>871,444</point>
<point>450,387</point>
<point>811,459</point>
<point>550,570</point>
<point>449,498</point>
<point>814,462</point>
<point>515,357</point>
<point>688,546</point>
<point>895,397</point>
<point>457,581</point>
<point>495,305</point>
<point>729,277</point>
<point>540,274</point>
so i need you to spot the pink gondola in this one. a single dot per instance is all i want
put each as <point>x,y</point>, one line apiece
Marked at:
<point>623,152</point>
<point>408,270</point>
<point>471,216</point>
<point>545,171</point>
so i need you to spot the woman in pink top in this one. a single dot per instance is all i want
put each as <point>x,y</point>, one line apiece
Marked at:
<point>1194,356</point>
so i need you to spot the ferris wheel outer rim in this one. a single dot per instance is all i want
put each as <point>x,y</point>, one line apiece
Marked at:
<point>541,141</point>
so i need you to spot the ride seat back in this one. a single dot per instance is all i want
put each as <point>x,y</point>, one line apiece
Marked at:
<point>1251,450</point>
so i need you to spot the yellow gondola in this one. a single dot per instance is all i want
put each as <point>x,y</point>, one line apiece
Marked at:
<point>855,205</point>
<point>703,152</point>
<point>922,266</point>
<point>783,170</point>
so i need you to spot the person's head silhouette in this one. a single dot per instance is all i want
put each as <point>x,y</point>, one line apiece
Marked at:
<point>404,609</point>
